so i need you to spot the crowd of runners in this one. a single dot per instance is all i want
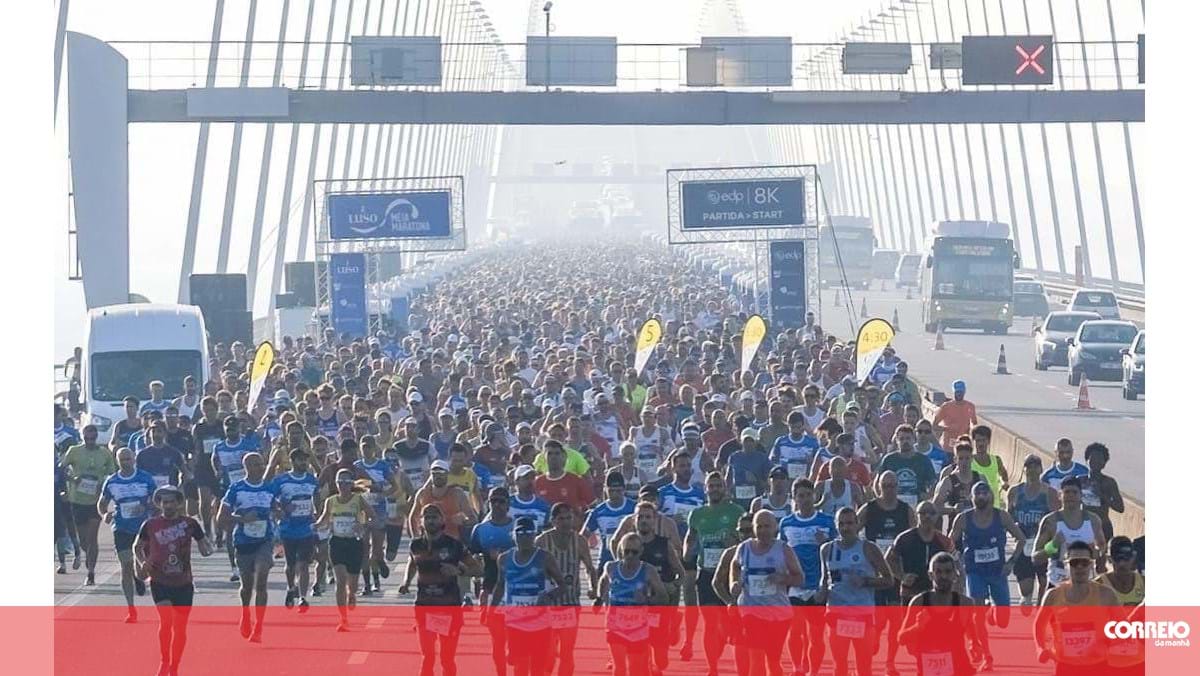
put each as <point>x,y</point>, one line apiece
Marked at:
<point>505,457</point>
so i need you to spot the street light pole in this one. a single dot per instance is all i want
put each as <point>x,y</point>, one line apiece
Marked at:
<point>548,6</point>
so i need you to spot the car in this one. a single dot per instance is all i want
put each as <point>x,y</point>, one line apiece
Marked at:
<point>883,263</point>
<point>908,271</point>
<point>1029,299</point>
<point>1133,368</point>
<point>1102,302</point>
<point>1096,349</point>
<point>1050,337</point>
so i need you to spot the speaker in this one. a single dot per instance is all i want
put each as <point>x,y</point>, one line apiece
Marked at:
<point>227,326</point>
<point>283,301</point>
<point>300,279</point>
<point>218,292</point>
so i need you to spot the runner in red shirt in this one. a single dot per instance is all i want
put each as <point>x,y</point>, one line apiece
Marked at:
<point>163,553</point>
<point>558,485</point>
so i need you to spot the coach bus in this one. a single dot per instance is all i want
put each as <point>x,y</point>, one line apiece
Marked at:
<point>856,246</point>
<point>967,278</point>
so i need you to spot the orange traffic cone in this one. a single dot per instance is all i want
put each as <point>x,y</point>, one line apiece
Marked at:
<point>1085,402</point>
<point>895,320</point>
<point>837,297</point>
<point>1001,363</point>
<point>938,344</point>
<point>863,311</point>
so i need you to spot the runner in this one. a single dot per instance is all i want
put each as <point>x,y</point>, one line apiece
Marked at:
<point>1101,493</point>
<point>981,530</point>
<point>568,549</point>
<point>296,490</point>
<point>677,500</point>
<point>950,496</point>
<point>851,570</point>
<point>227,457</point>
<point>762,571</point>
<point>489,539</point>
<point>711,529</point>
<point>838,492</point>
<point>603,519</point>
<point>86,466</point>
<point>1073,614</point>
<point>796,449</point>
<point>347,514</point>
<point>910,556</point>
<point>525,502</point>
<point>659,551</point>
<point>989,466</point>
<point>914,471</point>
<point>383,483</point>
<point>131,491</point>
<point>805,531</point>
<point>1028,503</point>
<point>1068,524</point>
<point>1128,656</point>
<point>927,446</point>
<point>883,519</point>
<point>1064,466</point>
<point>558,485</point>
<point>627,586</point>
<point>524,574</point>
<point>776,499</point>
<point>955,417</point>
<point>457,514</point>
<point>934,634</point>
<point>437,560</point>
<point>206,433</point>
<point>163,553</point>
<point>247,509</point>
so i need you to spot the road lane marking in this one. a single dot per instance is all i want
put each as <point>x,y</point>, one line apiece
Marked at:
<point>375,623</point>
<point>357,657</point>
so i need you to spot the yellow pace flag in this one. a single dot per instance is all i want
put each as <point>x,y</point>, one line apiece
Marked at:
<point>648,337</point>
<point>874,335</point>
<point>264,358</point>
<point>753,334</point>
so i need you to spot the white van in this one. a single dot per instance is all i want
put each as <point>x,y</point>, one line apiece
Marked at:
<point>908,271</point>
<point>127,346</point>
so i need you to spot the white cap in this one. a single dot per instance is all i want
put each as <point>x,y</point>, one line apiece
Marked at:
<point>416,396</point>
<point>523,470</point>
<point>440,465</point>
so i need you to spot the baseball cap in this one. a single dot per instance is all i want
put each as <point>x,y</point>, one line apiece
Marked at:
<point>750,433</point>
<point>778,470</point>
<point>959,386</point>
<point>747,396</point>
<point>525,525</point>
<point>614,479</point>
<point>415,397</point>
<point>445,412</point>
<point>439,466</point>
<point>523,470</point>
<point>524,426</point>
<point>690,430</point>
<point>596,373</point>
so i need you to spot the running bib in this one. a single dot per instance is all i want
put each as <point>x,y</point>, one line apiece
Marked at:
<point>884,543</point>
<point>161,480</point>
<point>343,527</point>
<point>744,492</point>
<point>235,475</point>
<point>1090,499</point>
<point>625,618</point>
<point>648,465</point>
<point>851,628</point>
<point>937,664</point>
<point>654,620</point>
<point>393,509</point>
<point>796,470</point>
<point>712,557</point>
<point>1077,642</point>
<point>302,508</point>
<point>563,618</point>
<point>523,600</point>
<point>256,530</point>
<point>88,486</point>
<point>323,533</point>
<point>1029,548</point>
<point>131,510</point>
<point>759,585</point>
<point>438,624</point>
<point>987,555</point>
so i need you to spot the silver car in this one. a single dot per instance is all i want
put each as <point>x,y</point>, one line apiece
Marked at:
<point>1102,302</point>
<point>1050,337</point>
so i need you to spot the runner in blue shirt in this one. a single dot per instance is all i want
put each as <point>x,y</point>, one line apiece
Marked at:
<point>249,507</point>
<point>131,490</point>
<point>805,530</point>
<point>490,538</point>
<point>680,497</point>
<point>65,435</point>
<point>604,518</point>
<point>296,491</point>
<point>527,503</point>
<point>156,402</point>
<point>383,484</point>
<point>1065,466</point>
<point>928,446</point>
<point>796,449</point>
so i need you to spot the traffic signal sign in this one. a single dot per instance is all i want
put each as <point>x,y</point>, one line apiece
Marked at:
<point>1008,60</point>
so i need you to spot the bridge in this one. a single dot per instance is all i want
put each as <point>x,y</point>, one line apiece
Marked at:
<point>256,119</point>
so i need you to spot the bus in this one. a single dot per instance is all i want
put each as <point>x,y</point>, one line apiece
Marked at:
<point>967,279</point>
<point>855,243</point>
<point>127,346</point>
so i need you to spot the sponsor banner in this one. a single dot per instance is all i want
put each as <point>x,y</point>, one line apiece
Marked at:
<point>264,358</point>
<point>648,337</point>
<point>755,203</point>
<point>788,290</point>
<point>398,215</point>
<point>752,337</point>
<point>874,335</point>
<point>348,294</point>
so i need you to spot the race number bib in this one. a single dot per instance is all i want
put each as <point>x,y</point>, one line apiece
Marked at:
<point>1077,641</point>
<point>235,475</point>
<point>852,629</point>
<point>884,544</point>
<point>1029,548</point>
<point>563,618</point>
<point>654,620</point>
<point>682,511</point>
<point>161,480</point>
<point>625,618</point>
<point>522,600</point>
<point>796,470</point>
<point>648,466</point>
<point>132,510</point>
<point>438,624</point>
<point>937,664</point>
<point>393,509</point>
<point>712,557</point>
<point>759,585</point>
<point>744,492</point>
<point>302,507</point>
<point>88,486</point>
<point>987,555</point>
<point>255,530</point>
<point>343,526</point>
<point>323,533</point>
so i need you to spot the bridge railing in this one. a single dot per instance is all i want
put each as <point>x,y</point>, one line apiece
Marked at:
<point>647,67</point>
<point>1131,298</point>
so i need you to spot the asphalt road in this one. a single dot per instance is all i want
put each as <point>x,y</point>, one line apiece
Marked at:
<point>1038,405</point>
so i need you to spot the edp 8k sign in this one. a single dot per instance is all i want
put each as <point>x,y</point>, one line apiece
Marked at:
<point>789,299</point>
<point>401,215</point>
<point>348,294</point>
<point>764,203</point>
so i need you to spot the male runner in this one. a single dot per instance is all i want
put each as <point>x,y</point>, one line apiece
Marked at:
<point>297,490</point>
<point>568,549</point>
<point>523,587</point>
<point>883,519</point>
<point>131,490</point>
<point>805,531</point>
<point>762,571</point>
<point>248,507</point>
<point>1073,615</point>
<point>710,530</point>
<point>86,467</point>
<point>934,626</point>
<point>490,538</point>
<point>1028,503</point>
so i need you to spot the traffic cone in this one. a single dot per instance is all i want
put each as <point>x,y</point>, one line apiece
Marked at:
<point>1085,402</point>
<point>1001,363</point>
<point>863,311</point>
<point>938,344</point>
<point>895,320</point>
<point>837,297</point>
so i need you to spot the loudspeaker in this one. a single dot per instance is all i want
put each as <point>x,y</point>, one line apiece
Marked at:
<point>300,279</point>
<point>218,292</point>
<point>230,325</point>
<point>284,301</point>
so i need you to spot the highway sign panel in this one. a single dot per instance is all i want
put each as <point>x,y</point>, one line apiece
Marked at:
<point>755,203</point>
<point>390,215</point>
<point>1008,60</point>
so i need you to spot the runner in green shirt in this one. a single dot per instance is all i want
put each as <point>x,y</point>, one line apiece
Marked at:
<point>711,529</point>
<point>87,465</point>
